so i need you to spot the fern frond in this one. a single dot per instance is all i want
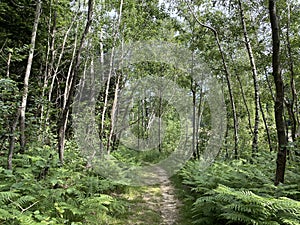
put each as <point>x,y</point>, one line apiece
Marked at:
<point>239,217</point>
<point>5,215</point>
<point>7,196</point>
<point>23,200</point>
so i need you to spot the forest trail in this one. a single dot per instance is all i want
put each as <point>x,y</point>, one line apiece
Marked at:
<point>157,204</point>
<point>169,203</point>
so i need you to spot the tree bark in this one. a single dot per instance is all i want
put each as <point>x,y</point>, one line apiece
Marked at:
<point>255,82</point>
<point>74,76</point>
<point>282,143</point>
<point>193,89</point>
<point>49,66</point>
<point>105,106</point>
<point>198,121</point>
<point>292,104</point>
<point>228,80</point>
<point>61,55</point>
<point>243,97</point>
<point>27,75</point>
<point>160,112</point>
<point>12,140</point>
<point>266,126</point>
<point>8,63</point>
<point>113,115</point>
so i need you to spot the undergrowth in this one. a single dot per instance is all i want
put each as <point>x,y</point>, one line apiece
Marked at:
<point>40,191</point>
<point>241,192</point>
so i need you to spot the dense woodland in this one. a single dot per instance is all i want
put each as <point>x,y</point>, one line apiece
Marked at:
<point>251,49</point>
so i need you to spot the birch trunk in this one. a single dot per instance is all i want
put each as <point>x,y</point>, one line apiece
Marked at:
<point>74,76</point>
<point>27,75</point>
<point>110,73</point>
<point>292,104</point>
<point>228,80</point>
<point>255,82</point>
<point>8,63</point>
<point>49,67</point>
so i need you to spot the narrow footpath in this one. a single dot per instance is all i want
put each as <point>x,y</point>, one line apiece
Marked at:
<point>156,204</point>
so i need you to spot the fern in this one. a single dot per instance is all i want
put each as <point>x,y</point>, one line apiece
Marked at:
<point>25,200</point>
<point>7,196</point>
<point>5,215</point>
<point>247,207</point>
<point>241,193</point>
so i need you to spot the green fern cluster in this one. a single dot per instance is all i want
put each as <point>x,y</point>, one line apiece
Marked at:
<point>64,195</point>
<point>239,192</point>
<point>224,204</point>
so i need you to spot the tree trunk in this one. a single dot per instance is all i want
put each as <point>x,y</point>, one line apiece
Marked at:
<point>266,126</point>
<point>228,80</point>
<point>244,99</point>
<point>113,115</point>
<point>49,66</point>
<point>198,121</point>
<point>255,83</point>
<point>269,85</point>
<point>105,106</point>
<point>292,104</point>
<point>61,55</point>
<point>160,112</point>
<point>282,148</point>
<point>27,74</point>
<point>12,140</point>
<point>193,89</point>
<point>74,76</point>
<point>8,63</point>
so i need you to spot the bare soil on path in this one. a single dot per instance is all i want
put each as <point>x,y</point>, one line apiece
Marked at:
<point>157,204</point>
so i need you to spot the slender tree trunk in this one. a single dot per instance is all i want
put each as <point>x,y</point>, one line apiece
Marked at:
<point>27,75</point>
<point>160,112</point>
<point>49,67</point>
<point>61,55</point>
<point>74,76</point>
<point>105,106</point>
<point>266,126</point>
<point>282,149</point>
<point>12,140</point>
<point>8,63</point>
<point>243,96</point>
<point>269,86</point>
<point>114,111</point>
<point>101,47</point>
<point>66,96</point>
<point>113,115</point>
<point>228,80</point>
<point>199,118</point>
<point>226,147</point>
<point>255,82</point>
<point>292,104</point>
<point>193,89</point>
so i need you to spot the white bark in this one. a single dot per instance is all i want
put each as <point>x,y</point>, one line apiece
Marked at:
<point>110,70</point>
<point>28,70</point>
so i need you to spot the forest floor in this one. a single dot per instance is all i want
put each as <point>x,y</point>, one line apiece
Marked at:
<point>155,204</point>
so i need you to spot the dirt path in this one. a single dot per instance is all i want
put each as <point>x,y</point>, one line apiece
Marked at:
<point>169,203</point>
<point>158,204</point>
